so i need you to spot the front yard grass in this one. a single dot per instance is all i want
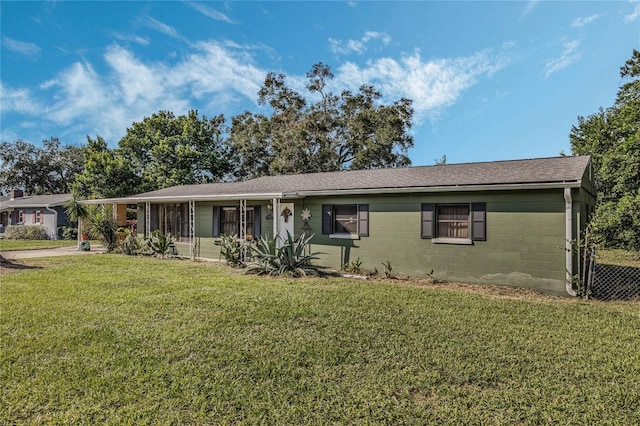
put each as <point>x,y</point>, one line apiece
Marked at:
<point>12,245</point>
<point>124,340</point>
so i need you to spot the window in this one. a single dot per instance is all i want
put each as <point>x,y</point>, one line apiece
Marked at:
<point>171,219</point>
<point>38,214</point>
<point>345,220</point>
<point>454,223</point>
<point>20,217</point>
<point>229,222</point>
<point>226,220</point>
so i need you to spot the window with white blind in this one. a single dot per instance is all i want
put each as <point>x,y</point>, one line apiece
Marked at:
<point>454,223</point>
<point>349,221</point>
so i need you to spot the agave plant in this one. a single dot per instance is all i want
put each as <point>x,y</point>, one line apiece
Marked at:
<point>160,244</point>
<point>231,248</point>
<point>288,259</point>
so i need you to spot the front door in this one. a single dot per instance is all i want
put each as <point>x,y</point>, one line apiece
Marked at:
<point>285,220</point>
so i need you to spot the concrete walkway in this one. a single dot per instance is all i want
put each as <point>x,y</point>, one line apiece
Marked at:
<point>61,251</point>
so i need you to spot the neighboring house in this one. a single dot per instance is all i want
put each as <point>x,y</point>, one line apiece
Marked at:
<point>503,222</point>
<point>42,210</point>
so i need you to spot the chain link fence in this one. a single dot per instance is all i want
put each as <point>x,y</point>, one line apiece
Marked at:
<point>611,282</point>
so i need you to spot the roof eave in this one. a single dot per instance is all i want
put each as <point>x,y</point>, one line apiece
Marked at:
<point>185,198</point>
<point>449,188</point>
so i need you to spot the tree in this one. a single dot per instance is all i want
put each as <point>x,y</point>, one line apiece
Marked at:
<point>158,152</point>
<point>49,169</point>
<point>612,138</point>
<point>350,131</point>
<point>165,150</point>
<point>106,173</point>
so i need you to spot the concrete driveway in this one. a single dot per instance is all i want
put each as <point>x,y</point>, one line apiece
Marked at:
<point>60,251</point>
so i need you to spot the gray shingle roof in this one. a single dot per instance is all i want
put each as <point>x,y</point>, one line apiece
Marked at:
<point>35,201</point>
<point>556,170</point>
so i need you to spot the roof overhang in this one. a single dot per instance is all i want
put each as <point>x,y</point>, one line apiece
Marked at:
<point>185,198</point>
<point>335,192</point>
<point>456,188</point>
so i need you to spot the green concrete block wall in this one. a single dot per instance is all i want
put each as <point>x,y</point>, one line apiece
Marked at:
<point>525,238</point>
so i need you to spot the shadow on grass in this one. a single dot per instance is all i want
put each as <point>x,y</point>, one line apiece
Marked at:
<point>9,264</point>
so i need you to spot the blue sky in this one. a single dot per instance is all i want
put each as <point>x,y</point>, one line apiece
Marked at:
<point>489,80</point>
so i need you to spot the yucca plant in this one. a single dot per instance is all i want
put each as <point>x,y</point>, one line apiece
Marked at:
<point>288,259</point>
<point>103,226</point>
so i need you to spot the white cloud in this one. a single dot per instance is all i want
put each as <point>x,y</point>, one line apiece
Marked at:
<point>80,92</point>
<point>143,41</point>
<point>358,46</point>
<point>633,15</point>
<point>17,100</point>
<point>161,27</point>
<point>569,56</point>
<point>84,101</point>
<point>221,76</point>
<point>582,21</point>
<point>211,13</point>
<point>531,4</point>
<point>432,85</point>
<point>24,48</point>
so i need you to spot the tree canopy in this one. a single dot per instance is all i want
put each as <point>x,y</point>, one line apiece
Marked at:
<point>612,138</point>
<point>160,151</point>
<point>49,169</point>
<point>349,131</point>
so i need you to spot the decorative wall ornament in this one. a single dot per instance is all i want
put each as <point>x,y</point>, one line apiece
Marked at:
<point>306,215</point>
<point>286,213</point>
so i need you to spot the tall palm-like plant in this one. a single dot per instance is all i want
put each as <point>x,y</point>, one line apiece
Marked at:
<point>104,226</point>
<point>76,211</point>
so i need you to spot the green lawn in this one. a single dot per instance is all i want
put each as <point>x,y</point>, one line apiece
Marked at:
<point>122,340</point>
<point>11,245</point>
<point>619,257</point>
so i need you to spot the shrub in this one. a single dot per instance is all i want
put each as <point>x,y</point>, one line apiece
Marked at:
<point>69,233</point>
<point>355,267</point>
<point>388,269</point>
<point>289,259</point>
<point>160,244</point>
<point>25,232</point>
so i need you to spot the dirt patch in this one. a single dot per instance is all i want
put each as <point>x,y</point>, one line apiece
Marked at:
<point>495,291</point>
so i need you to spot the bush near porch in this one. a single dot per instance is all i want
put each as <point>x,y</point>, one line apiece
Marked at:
<point>199,343</point>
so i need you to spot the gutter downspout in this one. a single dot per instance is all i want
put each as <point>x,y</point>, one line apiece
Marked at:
<point>568,237</point>
<point>55,221</point>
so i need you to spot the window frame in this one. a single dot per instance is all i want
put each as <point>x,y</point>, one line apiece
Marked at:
<point>219,223</point>
<point>330,221</point>
<point>38,217</point>
<point>476,223</point>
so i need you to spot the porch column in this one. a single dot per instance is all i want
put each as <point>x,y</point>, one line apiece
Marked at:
<point>276,217</point>
<point>147,219</point>
<point>192,227</point>
<point>243,228</point>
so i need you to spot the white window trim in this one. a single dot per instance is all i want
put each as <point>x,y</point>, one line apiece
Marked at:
<point>344,236</point>
<point>460,241</point>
